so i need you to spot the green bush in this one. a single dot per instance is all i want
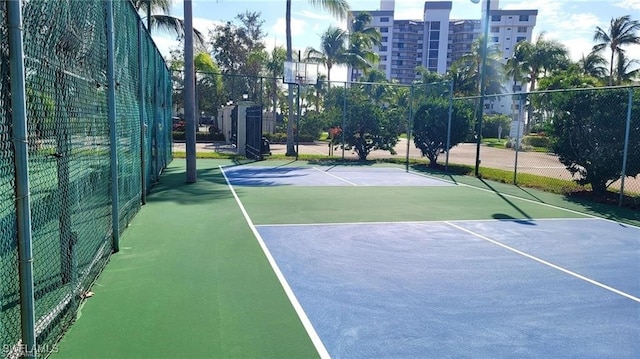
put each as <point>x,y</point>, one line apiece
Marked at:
<point>278,137</point>
<point>536,141</point>
<point>281,137</point>
<point>200,136</point>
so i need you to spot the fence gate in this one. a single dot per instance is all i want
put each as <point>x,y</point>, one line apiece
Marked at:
<point>234,126</point>
<point>254,133</point>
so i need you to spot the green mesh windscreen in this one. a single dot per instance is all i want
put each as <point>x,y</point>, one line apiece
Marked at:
<point>69,147</point>
<point>9,284</point>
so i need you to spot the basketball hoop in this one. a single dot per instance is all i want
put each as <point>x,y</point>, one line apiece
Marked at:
<point>300,73</point>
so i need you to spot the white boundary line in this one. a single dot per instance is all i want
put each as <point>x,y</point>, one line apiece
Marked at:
<point>554,266</point>
<point>313,335</point>
<point>386,223</point>
<point>528,200</point>
<point>334,176</point>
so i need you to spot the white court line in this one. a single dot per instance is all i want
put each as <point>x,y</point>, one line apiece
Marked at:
<point>313,335</point>
<point>530,201</point>
<point>554,266</point>
<point>387,223</point>
<point>334,176</point>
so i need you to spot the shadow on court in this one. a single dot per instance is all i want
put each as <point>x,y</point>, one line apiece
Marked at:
<point>506,217</point>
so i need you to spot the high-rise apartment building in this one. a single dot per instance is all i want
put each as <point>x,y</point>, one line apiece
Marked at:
<point>462,34</point>
<point>436,41</point>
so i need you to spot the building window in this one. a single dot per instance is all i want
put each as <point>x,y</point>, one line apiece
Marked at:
<point>385,39</point>
<point>383,58</point>
<point>434,44</point>
<point>382,67</point>
<point>384,19</point>
<point>401,45</point>
<point>432,63</point>
<point>524,18</point>
<point>383,48</point>
<point>521,38</point>
<point>435,34</point>
<point>435,25</point>
<point>433,54</point>
<point>522,29</point>
<point>384,29</point>
<point>495,29</point>
<point>494,39</point>
<point>495,17</point>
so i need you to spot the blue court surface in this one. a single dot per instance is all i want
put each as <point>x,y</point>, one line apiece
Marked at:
<point>565,288</point>
<point>326,176</point>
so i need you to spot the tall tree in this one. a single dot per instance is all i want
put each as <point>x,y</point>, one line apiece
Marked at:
<point>362,38</point>
<point>273,67</point>
<point>332,50</point>
<point>339,9</point>
<point>626,69</point>
<point>622,32</point>
<point>157,13</point>
<point>593,65</point>
<point>542,56</point>
<point>472,62</point>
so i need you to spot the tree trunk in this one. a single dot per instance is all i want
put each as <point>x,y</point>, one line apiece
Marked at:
<point>613,51</point>
<point>291,151</point>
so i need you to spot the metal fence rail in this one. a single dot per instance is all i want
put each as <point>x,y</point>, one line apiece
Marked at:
<point>529,122</point>
<point>72,151</point>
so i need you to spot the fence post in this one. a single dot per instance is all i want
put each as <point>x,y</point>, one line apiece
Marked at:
<point>344,117</point>
<point>409,126</point>
<point>297,132</point>
<point>113,139</point>
<point>517,144</point>
<point>142,112</point>
<point>189,94</point>
<point>23,200</point>
<point>623,174</point>
<point>446,163</point>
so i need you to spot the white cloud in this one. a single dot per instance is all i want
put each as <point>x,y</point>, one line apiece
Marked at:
<point>297,27</point>
<point>314,15</point>
<point>628,4</point>
<point>204,25</point>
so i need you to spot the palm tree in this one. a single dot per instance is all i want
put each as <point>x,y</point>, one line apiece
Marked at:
<point>543,56</point>
<point>593,65</point>
<point>622,31</point>
<point>319,90</point>
<point>332,50</point>
<point>517,67</point>
<point>463,82</point>
<point>161,20</point>
<point>338,8</point>
<point>471,63</point>
<point>361,39</point>
<point>626,70</point>
<point>274,66</point>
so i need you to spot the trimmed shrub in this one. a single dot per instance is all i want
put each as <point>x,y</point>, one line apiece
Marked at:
<point>537,141</point>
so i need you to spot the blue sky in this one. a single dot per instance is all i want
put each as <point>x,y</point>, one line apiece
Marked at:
<point>571,22</point>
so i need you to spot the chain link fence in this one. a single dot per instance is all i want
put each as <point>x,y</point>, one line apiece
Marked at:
<point>70,152</point>
<point>575,135</point>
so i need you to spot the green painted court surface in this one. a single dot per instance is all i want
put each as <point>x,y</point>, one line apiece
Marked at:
<point>191,280</point>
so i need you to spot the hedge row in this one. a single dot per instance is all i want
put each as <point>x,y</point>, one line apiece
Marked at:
<point>281,137</point>
<point>200,136</point>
